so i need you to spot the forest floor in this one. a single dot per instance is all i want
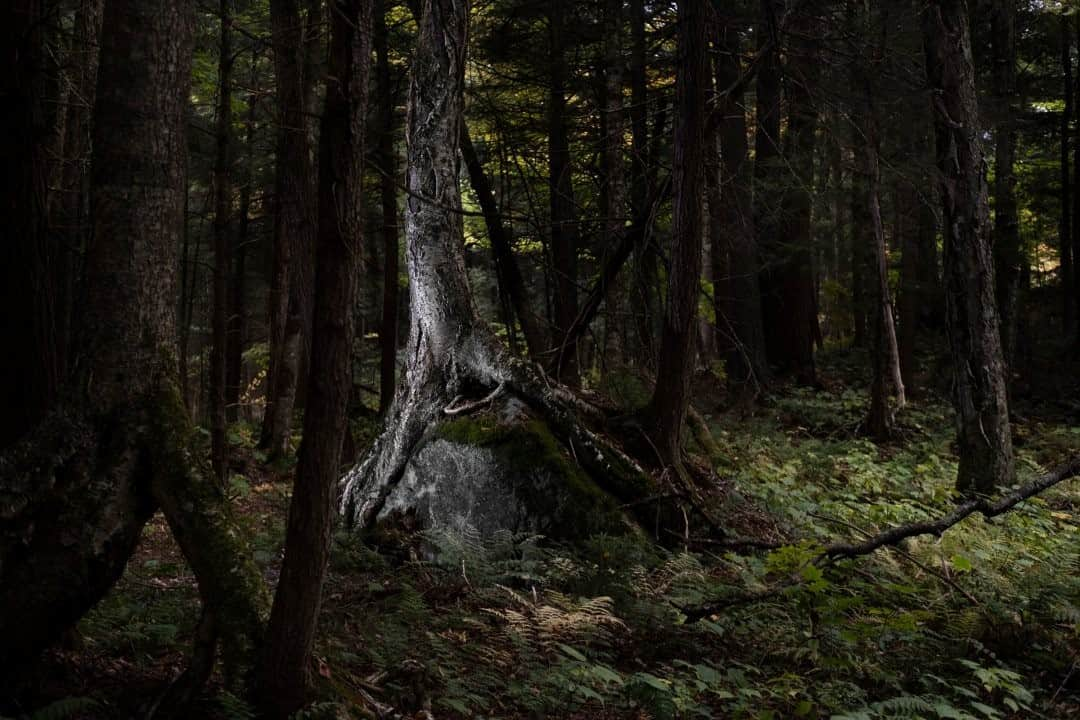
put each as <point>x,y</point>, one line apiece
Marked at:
<point>983,622</point>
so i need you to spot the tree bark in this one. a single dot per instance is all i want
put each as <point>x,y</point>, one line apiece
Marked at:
<point>388,328</point>
<point>294,224</point>
<point>24,251</point>
<point>671,395</point>
<point>1065,239</point>
<point>1008,254</point>
<point>986,457</point>
<point>639,178</point>
<point>76,493</point>
<point>286,668</point>
<point>564,229</point>
<point>747,361</point>
<point>222,249</point>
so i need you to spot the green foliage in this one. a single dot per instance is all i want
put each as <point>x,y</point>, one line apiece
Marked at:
<point>62,709</point>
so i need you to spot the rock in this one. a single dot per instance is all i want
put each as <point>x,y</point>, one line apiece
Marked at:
<point>501,470</point>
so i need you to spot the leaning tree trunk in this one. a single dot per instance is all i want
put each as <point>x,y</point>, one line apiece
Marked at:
<point>286,672</point>
<point>671,396</point>
<point>450,353</point>
<point>986,456</point>
<point>76,493</point>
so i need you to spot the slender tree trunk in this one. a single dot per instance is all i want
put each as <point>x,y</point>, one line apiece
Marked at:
<point>293,228</point>
<point>508,272</point>
<point>93,472</point>
<point>613,190</point>
<point>671,396</point>
<point>1065,233</point>
<point>234,344</point>
<point>291,632</point>
<point>886,357</point>
<point>986,457</point>
<point>1008,254</point>
<point>222,254</point>
<point>767,169</point>
<point>747,360</point>
<point>388,329</point>
<point>1075,265</point>
<point>564,229</point>
<point>639,177</point>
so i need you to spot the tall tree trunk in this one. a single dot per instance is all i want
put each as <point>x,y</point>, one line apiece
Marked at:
<point>1008,254</point>
<point>1065,239</point>
<point>388,328</point>
<point>613,190</point>
<point>564,228</point>
<point>792,329</point>
<point>511,282</point>
<point>639,177</point>
<point>291,632</point>
<point>294,223</point>
<point>986,456</point>
<point>91,474</point>
<point>886,356</point>
<point>23,241</point>
<point>747,361</point>
<point>222,249</point>
<point>234,343</point>
<point>767,170</point>
<point>671,396</point>
<point>449,350</point>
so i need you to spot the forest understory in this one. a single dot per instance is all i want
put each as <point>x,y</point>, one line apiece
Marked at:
<point>983,622</point>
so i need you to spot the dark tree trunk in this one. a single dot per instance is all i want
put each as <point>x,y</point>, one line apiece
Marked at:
<point>791,325</point>
<point>671,396</point>
<point>1065,239</point>
<point>639,178</point>
<point>613,166</point>
<point>234,343</point>
<point>986,457</point>
<point>1008,254</point>
<point>222,247</point>
<point>294,225</point>
<point>388,328</point>
<point>90,476</point>
<point>767,174</point>
<point>886,357</point>
<point>564,229</point>
<point>24,253</point>
<point>507,270</point>
<point>287,676</point>
<point>747,361</point>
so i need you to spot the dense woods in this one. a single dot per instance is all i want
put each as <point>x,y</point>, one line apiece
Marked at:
<point>534,358</point>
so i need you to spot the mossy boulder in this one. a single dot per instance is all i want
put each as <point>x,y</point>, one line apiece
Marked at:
<point>501,470</point>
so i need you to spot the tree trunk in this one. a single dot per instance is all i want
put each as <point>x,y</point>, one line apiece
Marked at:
<point>286,670</point>
<point>79,489</point>
<point>1008,254</point>
<point>1065,239</point>
<point>564,229</point>
<point>294,224</point>
<point>671,396</point>
<point>639,177</point>
<point>747,362</point>
<point>613,189</point>
<point>234,343</point>
<point>791,305</point>
<point>511,282</point>
<point>450,353</point>
<point>23,240</point>
<point>388,328</point>
<point>886,356</point>
<point>222,249</point>
<point>986,457</point>
<point>767,170</point>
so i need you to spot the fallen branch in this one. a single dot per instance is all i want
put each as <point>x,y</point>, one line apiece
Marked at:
<point>894,536</point>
